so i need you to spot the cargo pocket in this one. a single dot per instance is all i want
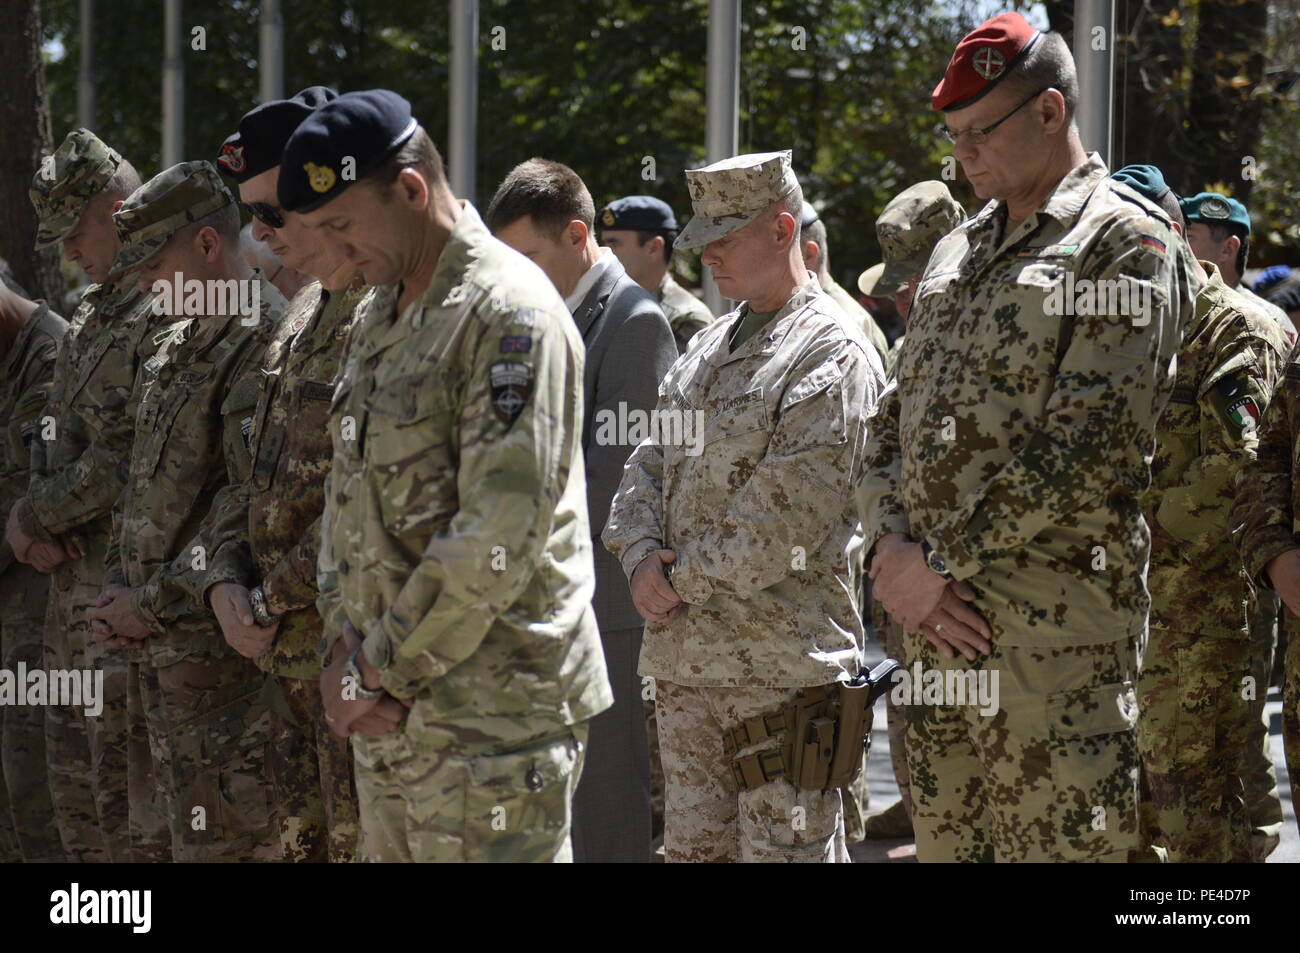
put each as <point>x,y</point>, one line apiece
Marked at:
<point>517,804</point>
<point>224,768</point>
<point>1094,769</point>
<point>783,824</point>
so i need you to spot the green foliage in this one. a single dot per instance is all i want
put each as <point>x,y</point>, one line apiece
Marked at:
<point>605,84</point>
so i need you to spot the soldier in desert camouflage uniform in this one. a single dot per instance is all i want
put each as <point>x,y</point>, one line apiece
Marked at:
<point>1191,690</point>
<point>1005,467</point>
<point>200,701</point>
<point>76,478</point>
<point>310,767</point>
<point>29,340</point>
<point>455,569</point>
<point>744,558</point>
<point>815,247</point>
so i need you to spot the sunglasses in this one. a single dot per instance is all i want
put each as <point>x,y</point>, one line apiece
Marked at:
<point>266,213</point>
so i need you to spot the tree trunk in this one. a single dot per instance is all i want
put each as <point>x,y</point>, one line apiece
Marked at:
<point>25,119</point>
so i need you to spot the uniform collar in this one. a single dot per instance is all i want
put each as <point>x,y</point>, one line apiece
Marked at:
<point>777,328</point>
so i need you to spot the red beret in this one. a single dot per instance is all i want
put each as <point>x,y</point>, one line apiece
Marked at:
<point>981,59</point>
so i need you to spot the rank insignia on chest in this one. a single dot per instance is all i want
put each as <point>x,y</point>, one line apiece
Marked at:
<point>512,385</point>
<point>246,431</point>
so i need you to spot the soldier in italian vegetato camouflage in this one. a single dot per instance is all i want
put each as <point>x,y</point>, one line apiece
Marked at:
<point>1005,468</point>
<point>195,700</point>
<point>455,572</point>
<point>1192,691</point>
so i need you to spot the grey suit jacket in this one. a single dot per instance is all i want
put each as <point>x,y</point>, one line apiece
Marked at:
<point>630,347</point>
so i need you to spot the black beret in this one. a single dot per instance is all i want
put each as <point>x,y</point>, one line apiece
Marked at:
<point>638,213</point>
<point>263,131</point>
<point>339,143</point>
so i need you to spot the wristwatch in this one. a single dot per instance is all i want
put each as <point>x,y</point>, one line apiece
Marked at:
<point>934,560</point>
<point>351,668</point>
<point>257,601</point>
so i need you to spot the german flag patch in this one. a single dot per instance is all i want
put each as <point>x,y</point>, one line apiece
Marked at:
<point>1150,241</point>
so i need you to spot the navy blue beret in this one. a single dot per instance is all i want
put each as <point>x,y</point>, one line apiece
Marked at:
<point>339,143</point>
<point>639,213</point>
<point>263,131</point>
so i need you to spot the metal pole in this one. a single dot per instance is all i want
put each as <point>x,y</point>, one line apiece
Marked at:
<point>462,130</point>
<point>86,69</point>
<point>1094,26</point>
<point>722,102</point>
<point>270,54</point>
<point>173,86</point>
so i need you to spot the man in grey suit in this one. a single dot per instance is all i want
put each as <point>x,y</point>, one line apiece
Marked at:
<point>544,211</point>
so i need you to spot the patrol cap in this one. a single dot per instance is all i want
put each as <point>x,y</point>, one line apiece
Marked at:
<point>732,193</point>
<point>163,206</point>
<point>1215,209</point>
<point>83,165</point>
<point>981,60</point>
<point>639,213</point>
<point>339,143</point>
<point>263,131</point>
<point>868,279</point>
<point>809,216</point>
<point>909,228</point>
<point>1145,180</point>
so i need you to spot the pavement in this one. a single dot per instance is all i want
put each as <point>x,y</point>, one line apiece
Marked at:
<point>884,790</point>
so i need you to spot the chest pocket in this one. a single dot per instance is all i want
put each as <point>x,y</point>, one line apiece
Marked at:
<point>397,414</point>
<point>738,418</point>
<point>163,403</point>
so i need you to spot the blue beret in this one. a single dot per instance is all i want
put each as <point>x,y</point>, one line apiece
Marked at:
<point>263,131</point>
<point>1211,208</point>
<point>1145,180</point>
<point>638,213</point>
<point>339,143</point>
<point>1271,276</point>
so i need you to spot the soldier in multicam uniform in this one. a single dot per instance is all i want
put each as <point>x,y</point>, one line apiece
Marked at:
<point>76,478</point>
<point>200,701</point>
<point>29,340</point>
<point>1005,466</point>
<point>455,568</point>
<point>310,767</point>
<point>1268,510</point>
<point>907,229</point>
<point>1193,669</point>
<point>815,247</point>
<point>744,558</point>
<point>1218,230</point>
<point>640,230</point>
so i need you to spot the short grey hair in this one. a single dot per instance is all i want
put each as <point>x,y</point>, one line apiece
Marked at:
<point>1049,63</point>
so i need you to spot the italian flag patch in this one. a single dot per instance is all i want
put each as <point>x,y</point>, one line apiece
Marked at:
<point>1244,413</point>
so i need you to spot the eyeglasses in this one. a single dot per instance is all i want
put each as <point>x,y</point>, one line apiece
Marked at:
<point>266,213</point>
<point>975,137</point>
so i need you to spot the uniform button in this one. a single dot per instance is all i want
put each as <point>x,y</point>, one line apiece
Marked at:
<point>373,361</point>
<point>533,779</point>
<point>341,498</point>
<point>343,567</point>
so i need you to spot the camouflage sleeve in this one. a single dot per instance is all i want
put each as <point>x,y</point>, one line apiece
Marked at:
<point>634,528</point>
<point>879,491</point>
<point>291,583</point>
<point>219,551</point>
<point>23,430</point>
<point>114,575</point>
<point>329,603</point>
<point>510,478</point>
<point>1193,509</point>
<point>1105,396</point>
<point>1265,486</point>
<point>799,490</point>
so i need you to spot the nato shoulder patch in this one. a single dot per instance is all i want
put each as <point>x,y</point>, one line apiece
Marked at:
<point>512,386</point>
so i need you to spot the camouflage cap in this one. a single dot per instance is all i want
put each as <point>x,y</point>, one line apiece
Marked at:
<point>909,228</point>
<point>81,167</point>
<point>730,194</point>
<point>163,206</point>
